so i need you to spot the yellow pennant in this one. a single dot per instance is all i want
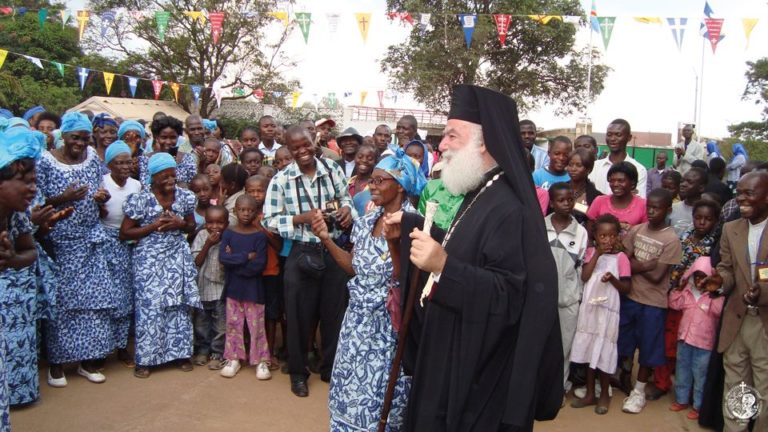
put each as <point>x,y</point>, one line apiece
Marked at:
<point>363,95</point>
<point>3,55</point>
<point>648,20</point>
<point>363,23</point>
<point>196,16</point>
<point>82,19</point>
<point>749,25</point>
<point>545,19</point>
<point>175,87</point>
<point>295,99</point>
<point>109,78</point>
<point>282,16</point>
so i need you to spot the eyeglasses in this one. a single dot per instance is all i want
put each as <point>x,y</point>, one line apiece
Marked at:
<point>378,180</point>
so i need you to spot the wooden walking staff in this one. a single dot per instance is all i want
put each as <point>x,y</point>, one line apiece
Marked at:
<point>394,371</point>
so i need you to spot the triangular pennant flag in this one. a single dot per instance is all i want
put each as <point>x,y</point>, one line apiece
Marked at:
<point>217,93</point>
<point>606,29</point>
<point>333,22</point>
<point>34,60</point>
<point>295,99</point>
<point>677,25</point>
<point>3,55</point>
<point>107,19</point>
<point>363,95</point>
<point>332,99</point>
<point>161,20</point>
<point>363,24</point>
<point>545,19</point>
<point>82,19</point>
<point>217,24</point>
<point>248,14</point>
<point>42,15</point>
<point>593,18</point>
<point>175,87</point>
<point>138,15</point>
<point>749,24</point>
<point>157,86</point>
<point>468,24</point>
<point>65,14</point>
<point>82,75</point>
<point>502,25</point>
<point>424,22</point>
<point>648,20</point>
<point>282,16</point>
<point>133,82</point>
<point>109,78</point>
<point>277,94</point>
<point>404,17</point>
<point>347,94</point>
<point>196,92</point>
<point>304,20</point>
<point>21,11</point>
<point>238,91</point>
<point>259,93</point>
<point>6,10</point>
<point>380,94</point>
<point>60,68</point>
<point>195,16</point>
<point>714,26</point>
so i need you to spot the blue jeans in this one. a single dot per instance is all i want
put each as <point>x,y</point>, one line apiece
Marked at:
<point>691,373</point>
<point>210,328</point>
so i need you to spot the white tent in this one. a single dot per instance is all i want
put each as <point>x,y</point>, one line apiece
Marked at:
<point>131,109</point>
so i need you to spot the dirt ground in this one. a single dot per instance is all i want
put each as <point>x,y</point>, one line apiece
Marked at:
<point>171,401</point>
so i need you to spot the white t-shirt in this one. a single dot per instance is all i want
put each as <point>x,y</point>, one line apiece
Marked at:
<point>753,243</point>
<point>599,175</point>
<point>118,195</point>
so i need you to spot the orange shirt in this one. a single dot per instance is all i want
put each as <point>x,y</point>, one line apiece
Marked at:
<point>273,262</point>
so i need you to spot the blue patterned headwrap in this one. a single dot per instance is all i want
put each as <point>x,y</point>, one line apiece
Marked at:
<point>738,149</point>
<point>17,121</point>
<point>131,125</point>
<point>20,143</point>
<point>425,161</point>
<point>75,121</point>
<point>4,113</point>
<point>103,119</point>
<point>210,124</point>
<point>114,149</point>
<point>159,162</point>
<point>32,111</point>
<point>405,170</point>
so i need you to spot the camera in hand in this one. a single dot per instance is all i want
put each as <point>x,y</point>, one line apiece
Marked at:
<point>329,214</point>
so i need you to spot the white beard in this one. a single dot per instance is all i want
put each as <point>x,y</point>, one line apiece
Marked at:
<point>464,169</point>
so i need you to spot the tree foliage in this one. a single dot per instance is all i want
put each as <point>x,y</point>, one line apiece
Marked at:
<point>243,58</point>
<point>757,89</point>
<point>539,65</point>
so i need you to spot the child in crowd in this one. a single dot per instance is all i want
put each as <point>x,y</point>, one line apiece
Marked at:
<point>267,171</point>
<point>233,177</point>
<point>606,273</point>
<point>211,153</point>
<point>559,150</point>
<point>283,158</point>
<point>214,178</point>
<point>256,187</point>
<point>251,159</point>
<point>670,181</point>
<point>696,336</point>
<point>653,248</point>
<point>541,195</point>
<point>201,187</point>
<point>243,252</point>
<point>568,241</point>
<point>249,137</point>
<point>210,320</point>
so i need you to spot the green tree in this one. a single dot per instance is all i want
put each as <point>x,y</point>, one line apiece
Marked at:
<point>539,65</point>
<point>756,89</point>
<point>244,57</point>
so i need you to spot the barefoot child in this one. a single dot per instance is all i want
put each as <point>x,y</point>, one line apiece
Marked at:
<point>607,274</point>
<point>243,252</point>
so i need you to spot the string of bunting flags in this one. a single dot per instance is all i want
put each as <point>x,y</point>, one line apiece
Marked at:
<point>604,25</point>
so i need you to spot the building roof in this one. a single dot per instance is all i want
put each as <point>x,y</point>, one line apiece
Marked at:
<point>131,109</point>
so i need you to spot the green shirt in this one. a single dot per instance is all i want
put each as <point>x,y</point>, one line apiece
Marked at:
<point>448,204</point>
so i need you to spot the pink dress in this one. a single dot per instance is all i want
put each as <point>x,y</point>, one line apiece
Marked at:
<point>597,330</point>
<point>634,214</point>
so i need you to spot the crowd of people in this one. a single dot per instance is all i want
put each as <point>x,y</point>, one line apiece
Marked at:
<point>165,242</point>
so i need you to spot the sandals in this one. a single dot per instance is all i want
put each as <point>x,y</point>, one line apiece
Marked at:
<point>185,365</point>
<point>141,372</point>
<point>582,403</point>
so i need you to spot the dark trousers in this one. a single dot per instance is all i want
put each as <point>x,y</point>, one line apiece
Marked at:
<point>210,327</point>
<point>306,299</point>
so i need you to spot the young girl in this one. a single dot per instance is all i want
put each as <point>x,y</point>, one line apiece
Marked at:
<point>607,274</point>
<point>201,187</point>
<point>365,159</point>
<point>214,178</point>
<point>233,177</point>
<point>251,159</point>
<point>580,164</point>
<point>696,335</point>
<point>628,208</point>
<point>243,252</point>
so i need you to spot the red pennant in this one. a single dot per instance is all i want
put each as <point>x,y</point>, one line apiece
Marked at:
<point>217,23</point>
<point>714,25</point>
<point>381,98</point>
<point>502,25</point>
<point>6,10</point>
<point>402,16</point>
<point>259,93</point>
<point>157,85</point>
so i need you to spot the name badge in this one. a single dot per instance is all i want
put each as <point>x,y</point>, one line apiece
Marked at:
<point>762,272</point>
<point>581,207</point>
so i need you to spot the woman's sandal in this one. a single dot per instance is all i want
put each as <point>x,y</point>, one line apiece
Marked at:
<point>185,365</point>
<point>141,372</point>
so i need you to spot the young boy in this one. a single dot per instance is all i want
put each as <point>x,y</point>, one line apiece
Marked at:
<point>670,181</point>
<point>256,186</point>
<point>568,241</point>
<point>210,320</point>
<point>653,248</point>
<point>559,150</point>
<point>283,158</point>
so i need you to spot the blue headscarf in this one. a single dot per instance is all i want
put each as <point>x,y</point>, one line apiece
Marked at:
<point>58,141</point>
<point>210,124</point>
<point>103,119</point>
<point>405,170</point>
<point>713,148</point>
<point>20,143</point>
<point>114,149</point>
<point>159,162</point>
<point>738,149</point>
<point>131,125</point>
<point>75,121</point>
<point>425,161</point>
<point>6,114</point>
<point>32,111</point>
<point>17,121</point>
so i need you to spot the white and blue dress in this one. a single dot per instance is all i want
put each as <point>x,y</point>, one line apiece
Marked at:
<point>367,342</point>
<point>165,282</point>
<point>185,170</point>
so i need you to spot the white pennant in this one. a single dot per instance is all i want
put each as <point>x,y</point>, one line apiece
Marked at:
<point>217,93</point>
<point>35,61</point>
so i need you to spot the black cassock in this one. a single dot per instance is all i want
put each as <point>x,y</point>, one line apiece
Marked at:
<point>485,351</point>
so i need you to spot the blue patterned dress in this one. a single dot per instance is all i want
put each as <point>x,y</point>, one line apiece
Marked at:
<point>165,282</point>
<point>82,328</point>
<point>119,261</point>
<point>185,170</point>
<point>367,341</point>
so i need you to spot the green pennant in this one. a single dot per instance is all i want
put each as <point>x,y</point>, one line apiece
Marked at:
<point>304,20</point>
<point>42,14</point>
<point>60,68</point>
<point>161,19</point>
<point>606,29</point>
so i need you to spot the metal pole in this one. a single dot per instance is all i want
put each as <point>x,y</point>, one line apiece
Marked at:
<point>696,101</point>
<point>701,88</point>
<point>589,69</point>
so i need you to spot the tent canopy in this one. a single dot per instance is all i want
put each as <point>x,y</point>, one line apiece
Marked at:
<point>131,109</point>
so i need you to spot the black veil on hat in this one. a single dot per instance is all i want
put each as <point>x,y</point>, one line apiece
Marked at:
<point>536,383</point>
